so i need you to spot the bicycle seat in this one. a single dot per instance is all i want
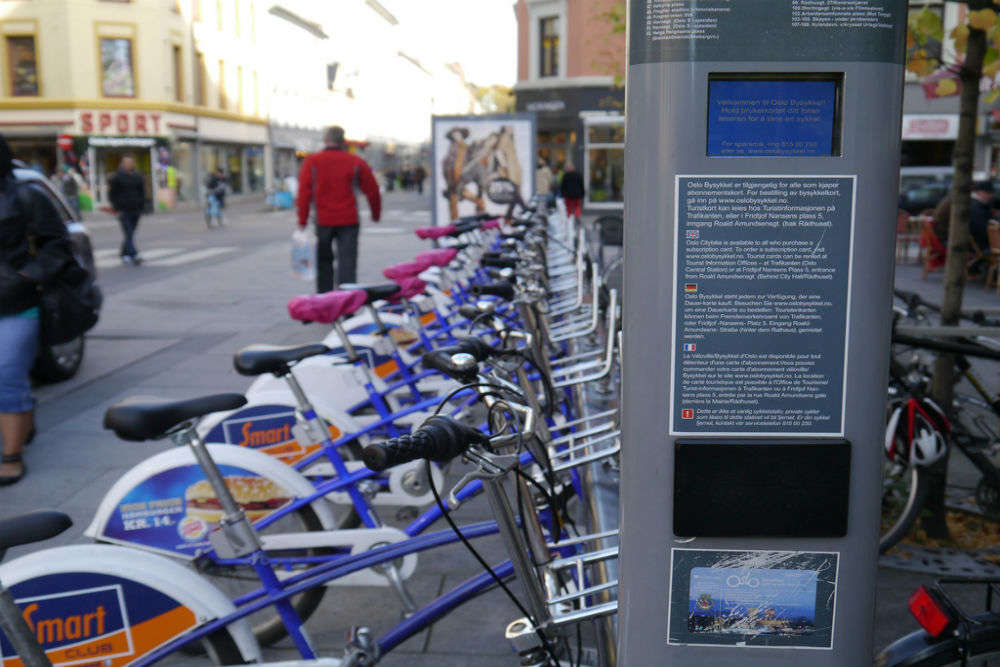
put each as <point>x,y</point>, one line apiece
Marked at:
<point>31,527</point>
<point>373,291</point>
<point>426,233</point>
<point>440,257</point>
<point>405,270</point>
<point>260,359</point>
<point>408,288</point>
<point>142,418</point>
<point>458,246</point>
<point>327,307</point>
<point>491,224</point>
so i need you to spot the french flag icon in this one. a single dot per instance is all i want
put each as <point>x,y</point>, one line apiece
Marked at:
<point>690,347</point>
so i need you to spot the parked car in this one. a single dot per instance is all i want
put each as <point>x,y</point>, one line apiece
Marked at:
<point>55,363</point>
<point>921,188</point>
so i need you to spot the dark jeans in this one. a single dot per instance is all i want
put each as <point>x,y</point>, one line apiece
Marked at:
<point>129,221</point>
<point>347,256</point>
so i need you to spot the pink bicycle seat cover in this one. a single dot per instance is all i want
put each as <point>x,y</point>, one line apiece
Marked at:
<point>408,288</point>
<point>398,272</point>
<point>491,224</point>
<point>438,257</point>
<point>327,307</point>
<point>434,232</point>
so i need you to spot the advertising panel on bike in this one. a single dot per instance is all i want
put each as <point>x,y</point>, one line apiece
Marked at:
<point>174,510</point>
<point>85,618</point>
<point>473,156</point>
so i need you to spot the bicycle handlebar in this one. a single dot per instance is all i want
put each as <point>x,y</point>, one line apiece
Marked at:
<point>499,261</point>
<point>440,360</point>
<point>504,290</point>
<point>439,439</point>
<point>953,347</point>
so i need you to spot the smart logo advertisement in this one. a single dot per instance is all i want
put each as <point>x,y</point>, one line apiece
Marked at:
<point>84,618</point>
<point>470,153</point>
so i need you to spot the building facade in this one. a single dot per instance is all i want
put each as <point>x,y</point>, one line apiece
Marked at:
<point>174,83</point>
<point>569,66</point>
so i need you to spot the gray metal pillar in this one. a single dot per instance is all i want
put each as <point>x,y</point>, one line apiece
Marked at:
<point>762,156</point>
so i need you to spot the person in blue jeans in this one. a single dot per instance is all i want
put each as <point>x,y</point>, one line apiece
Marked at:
<point>34,247</point>
<point>127,194</point>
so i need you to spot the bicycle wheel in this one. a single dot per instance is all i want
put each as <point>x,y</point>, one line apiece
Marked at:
<point>918,649</point>
<point>237,581</point>
<point>904,490</point>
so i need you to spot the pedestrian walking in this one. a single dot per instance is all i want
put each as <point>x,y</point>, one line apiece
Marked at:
<point>571,189</point>
<point>390,180</point>
<point>71,190</point>
<point>420,174</point>
<point>34,247</point>
<point>127,194</point>
<point>328,179</point>
<point>215,186</point>
<point>543,180</point>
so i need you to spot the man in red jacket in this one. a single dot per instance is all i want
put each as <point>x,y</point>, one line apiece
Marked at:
<point>329,178</point>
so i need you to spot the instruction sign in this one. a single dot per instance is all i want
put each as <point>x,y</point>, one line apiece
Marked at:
<point>776,30</point>
<point>752,598</point>
<point>762,268</point>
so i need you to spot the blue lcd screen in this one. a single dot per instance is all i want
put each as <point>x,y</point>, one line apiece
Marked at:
<point>771,118</point>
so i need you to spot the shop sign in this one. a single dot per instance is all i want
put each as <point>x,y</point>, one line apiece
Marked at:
<point>120,123</point>
<point>930,126</point>
<point>65,142</point>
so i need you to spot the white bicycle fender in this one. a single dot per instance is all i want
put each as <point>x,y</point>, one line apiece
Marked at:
<point>407,485</point>
<point>358,539</point>
<point>119,580</point>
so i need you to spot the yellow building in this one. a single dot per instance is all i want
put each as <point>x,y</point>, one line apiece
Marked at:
<point>176,83</point>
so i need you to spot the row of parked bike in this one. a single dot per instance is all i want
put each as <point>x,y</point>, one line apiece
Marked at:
<point>463,375</point>
<point>467,373</point>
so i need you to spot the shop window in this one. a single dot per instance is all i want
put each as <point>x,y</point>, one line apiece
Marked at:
<point>255,169</point>
<point>201,76</point>
<point>606,134</point>
<point>605,175</point>
<point>117,67</point>
<point>548,35</point>
<point>22,65</point>
<point>604,167</point>
<point>223,98</point>
<point>178,61</point>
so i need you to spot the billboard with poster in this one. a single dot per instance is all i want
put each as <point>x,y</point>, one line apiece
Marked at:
<point>471,152</point>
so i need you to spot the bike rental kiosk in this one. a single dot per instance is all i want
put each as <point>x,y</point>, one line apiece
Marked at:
<point>762,162</point>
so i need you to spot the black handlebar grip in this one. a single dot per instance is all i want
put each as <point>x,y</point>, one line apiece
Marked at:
<point>499,261</point>
<point>475,347</point>
<point>468,311</point>
<point>504,290</point>
<point>439,439</point>
<point>440,360</point>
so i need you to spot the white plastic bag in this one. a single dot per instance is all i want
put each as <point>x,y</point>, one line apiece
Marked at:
<point>304,254</point>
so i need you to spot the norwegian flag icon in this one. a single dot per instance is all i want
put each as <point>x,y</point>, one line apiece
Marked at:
<point>690,347</point>
<point>693,234</point>
<point>687,413</point>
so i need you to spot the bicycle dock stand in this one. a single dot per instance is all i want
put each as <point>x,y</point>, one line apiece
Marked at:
<point>759,248</point>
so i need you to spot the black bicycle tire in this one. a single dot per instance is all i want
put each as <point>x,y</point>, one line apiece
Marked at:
<point>918,495</point>
<point>222,649</point>
<point>918,649</point>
